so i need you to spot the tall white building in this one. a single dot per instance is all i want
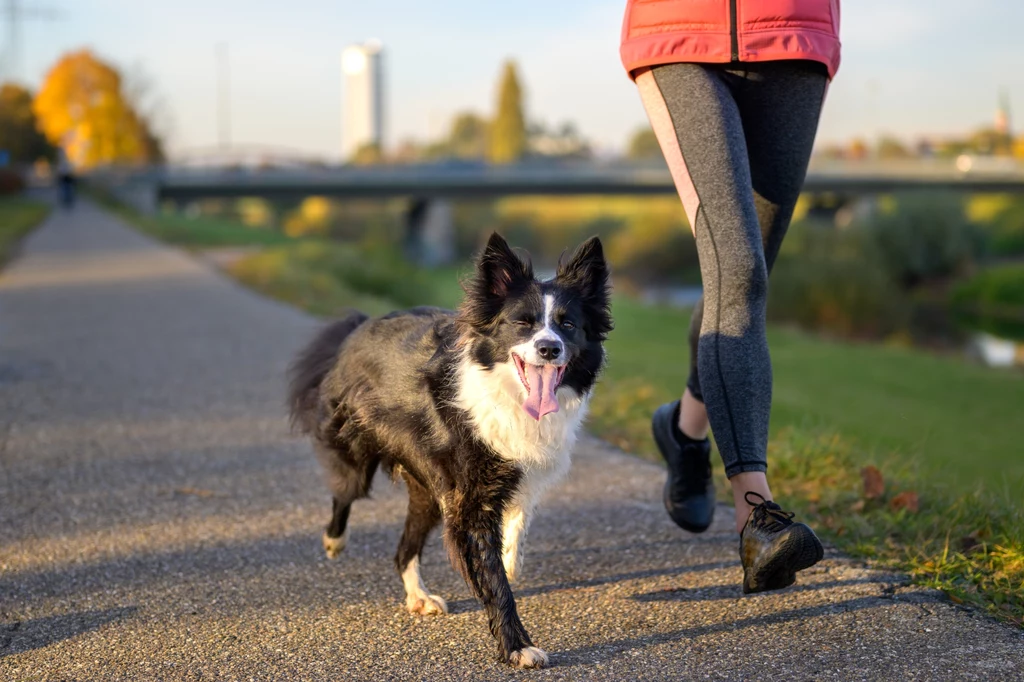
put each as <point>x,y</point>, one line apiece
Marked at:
<point>362,97</point>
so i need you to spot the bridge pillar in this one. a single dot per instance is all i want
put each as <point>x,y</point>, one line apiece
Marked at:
<point>430,232</point>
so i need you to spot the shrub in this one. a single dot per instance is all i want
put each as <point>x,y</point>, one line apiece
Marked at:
<point>992,301</point>
<point>654,249</point>
<point>925,237</point>
<point>1006,232</point>
<point>834,282</point>
<point>11,182</point>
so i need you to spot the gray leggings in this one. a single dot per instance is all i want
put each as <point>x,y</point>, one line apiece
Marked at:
<point>737,138</point>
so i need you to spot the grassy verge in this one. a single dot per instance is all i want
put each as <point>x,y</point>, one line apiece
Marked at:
<point>17,217</point>
<point>192,233</point>
<point>940,498</point>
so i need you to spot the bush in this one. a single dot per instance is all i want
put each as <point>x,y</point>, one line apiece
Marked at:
<point>834,282</point>
<point>11,182</point>
<point>1006,232</point>
<point>992,301</point>
<point>924,237</point>
<point>656,249</point>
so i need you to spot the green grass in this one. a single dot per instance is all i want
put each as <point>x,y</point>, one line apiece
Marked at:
<point>17,217</point>
<point>953,420</point>
<point>940,430</point>
<point>325,277</point>
<point>192,233</point>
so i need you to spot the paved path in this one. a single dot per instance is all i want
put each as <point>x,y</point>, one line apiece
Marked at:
<point>157,521</point>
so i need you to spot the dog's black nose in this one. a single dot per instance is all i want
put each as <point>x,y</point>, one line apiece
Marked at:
<point>549,349</point>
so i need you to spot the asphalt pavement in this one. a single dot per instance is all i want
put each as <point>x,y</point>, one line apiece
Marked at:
<point>159,522</point>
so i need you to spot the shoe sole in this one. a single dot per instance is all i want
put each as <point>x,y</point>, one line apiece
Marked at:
<point>666,492</point>
<point>800,549</point>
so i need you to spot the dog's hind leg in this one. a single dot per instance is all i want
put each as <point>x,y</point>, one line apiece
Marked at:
<point>336,534</point>
<point>424,515</point>
<point>349,479</point>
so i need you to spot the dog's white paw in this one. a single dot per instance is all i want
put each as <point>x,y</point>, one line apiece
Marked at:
<point>426,604</point>
<point>334,546</point>
<point>528,657</point>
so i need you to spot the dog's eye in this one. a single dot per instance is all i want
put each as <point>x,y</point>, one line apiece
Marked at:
<point>567,325</point>
<point>523,323</point>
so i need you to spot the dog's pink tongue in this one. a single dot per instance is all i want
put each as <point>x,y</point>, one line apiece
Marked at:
<point>541,398</point>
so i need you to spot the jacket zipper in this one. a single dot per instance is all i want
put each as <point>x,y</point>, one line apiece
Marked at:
<point>733,33</point>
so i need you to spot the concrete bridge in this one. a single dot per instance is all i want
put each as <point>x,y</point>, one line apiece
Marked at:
<point>429,187</point>
<point>473,180</point>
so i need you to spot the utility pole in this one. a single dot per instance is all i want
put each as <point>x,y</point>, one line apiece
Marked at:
<point>223,98</point>
<point>15,13</point>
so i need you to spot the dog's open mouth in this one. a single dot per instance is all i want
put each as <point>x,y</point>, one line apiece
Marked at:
<point>540,382</point>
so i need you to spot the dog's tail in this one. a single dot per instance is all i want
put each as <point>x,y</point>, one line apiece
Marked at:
<point>311,367</point>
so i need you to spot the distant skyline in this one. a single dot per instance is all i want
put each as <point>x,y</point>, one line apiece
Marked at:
<point>917,67</point>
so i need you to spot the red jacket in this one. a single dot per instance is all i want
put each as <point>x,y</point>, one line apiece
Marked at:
<point>720,31</point>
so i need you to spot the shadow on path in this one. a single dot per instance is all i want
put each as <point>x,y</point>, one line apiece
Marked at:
<point>20,636</point>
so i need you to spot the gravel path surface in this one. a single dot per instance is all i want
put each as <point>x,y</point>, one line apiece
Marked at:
<point>157,521</point>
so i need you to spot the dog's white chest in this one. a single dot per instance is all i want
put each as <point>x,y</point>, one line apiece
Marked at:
<point>493,400</point>
<point>541,449</point>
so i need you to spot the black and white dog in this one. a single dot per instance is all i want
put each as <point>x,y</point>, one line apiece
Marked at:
<point>477,410</point>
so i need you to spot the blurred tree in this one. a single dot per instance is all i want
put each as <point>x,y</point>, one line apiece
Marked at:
<point>468,137</point>
<point>561,142</point>
<point>255,212</point>
<point>991,141</point>
<point>508,132</point>
<point>891,148</point>
<point>407,151</point>
<point>643,145</point>
<point>367,155</point>
<point>858,149</point>
<point>19,130</point>
<point>151,109</point>
<point>82,108</point>
<point>313,217</point>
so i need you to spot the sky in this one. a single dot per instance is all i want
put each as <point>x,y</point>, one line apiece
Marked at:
<point>910,67</point>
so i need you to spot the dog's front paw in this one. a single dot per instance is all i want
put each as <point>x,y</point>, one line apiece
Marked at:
<point>426,605</point>
<point>334,546</point>
<point>528,657</point>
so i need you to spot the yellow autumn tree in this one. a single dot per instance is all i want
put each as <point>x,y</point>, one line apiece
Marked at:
<point>82,108</point>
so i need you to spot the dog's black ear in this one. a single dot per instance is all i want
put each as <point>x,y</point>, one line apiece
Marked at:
<point>586,271</point>
<point>499,269</point>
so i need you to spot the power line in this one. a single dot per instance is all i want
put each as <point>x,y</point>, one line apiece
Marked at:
<point>15,14</point>
<point>223,97</point>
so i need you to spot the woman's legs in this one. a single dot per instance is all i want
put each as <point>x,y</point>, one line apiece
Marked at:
<point>737,141</point>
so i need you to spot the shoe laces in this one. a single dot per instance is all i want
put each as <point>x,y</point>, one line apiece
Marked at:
<point>768,515</point>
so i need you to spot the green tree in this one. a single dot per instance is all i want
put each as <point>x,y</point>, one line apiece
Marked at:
<point>368,154</point>
<point>19,130</point>
<point>990,141</point>
<point>468,137</point>
<point>891,148</point>
<point>508,132</point>
<point>644,145</point>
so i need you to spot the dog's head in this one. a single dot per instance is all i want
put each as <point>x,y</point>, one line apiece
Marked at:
<point>551,332</point>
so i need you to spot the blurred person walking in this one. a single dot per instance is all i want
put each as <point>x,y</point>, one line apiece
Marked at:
<point>733,90</point>
<point>65,179</point>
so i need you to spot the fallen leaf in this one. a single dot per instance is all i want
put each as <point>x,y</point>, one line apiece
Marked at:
<point>905,500</point>
<point>857,506</point>
<point>969,543</point>
<point>874,484</point>
<point>198,492</point>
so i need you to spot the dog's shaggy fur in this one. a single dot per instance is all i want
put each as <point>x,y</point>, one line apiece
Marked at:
<point>477,410</point>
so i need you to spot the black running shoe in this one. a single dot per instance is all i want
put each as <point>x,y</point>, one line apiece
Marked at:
<point>689,491</point>
<point>773,548</point>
